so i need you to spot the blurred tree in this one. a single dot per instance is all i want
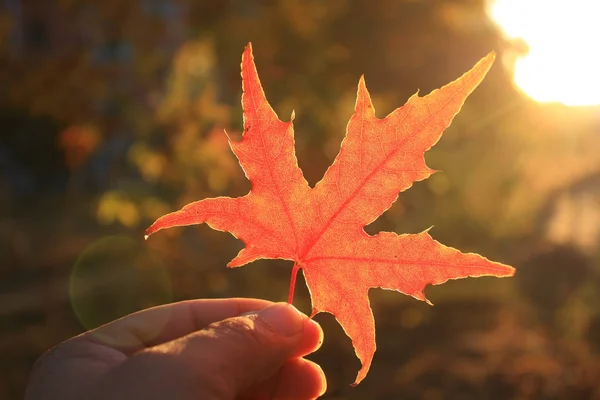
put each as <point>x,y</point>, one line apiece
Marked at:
<point>112,113</point>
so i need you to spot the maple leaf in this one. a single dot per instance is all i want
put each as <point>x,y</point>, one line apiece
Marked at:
<point>321,228</point>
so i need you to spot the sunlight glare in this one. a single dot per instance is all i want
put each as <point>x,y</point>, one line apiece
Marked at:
<point>563,62</point>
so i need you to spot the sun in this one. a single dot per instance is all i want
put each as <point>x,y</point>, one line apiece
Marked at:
<point>563,38</point>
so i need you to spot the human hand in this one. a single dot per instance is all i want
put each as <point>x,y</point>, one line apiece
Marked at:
<point>207,349</point>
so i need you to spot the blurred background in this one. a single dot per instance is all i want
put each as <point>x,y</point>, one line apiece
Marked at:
<point>112,114</point>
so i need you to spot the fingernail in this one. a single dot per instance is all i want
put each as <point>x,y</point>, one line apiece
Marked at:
<point>283,318</point>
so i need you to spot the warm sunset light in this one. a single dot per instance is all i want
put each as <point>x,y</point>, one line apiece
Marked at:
<point>562,63</point>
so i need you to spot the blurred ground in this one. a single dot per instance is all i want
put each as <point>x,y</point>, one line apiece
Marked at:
<point>112,113</point>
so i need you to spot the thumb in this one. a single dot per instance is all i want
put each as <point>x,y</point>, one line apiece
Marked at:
<point>217,362</point>
<point>236,353</point>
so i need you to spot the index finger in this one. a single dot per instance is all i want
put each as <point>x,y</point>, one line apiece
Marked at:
<point>161,324</point>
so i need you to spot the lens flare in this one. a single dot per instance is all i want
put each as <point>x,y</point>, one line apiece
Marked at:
<point>563,61</point>
<point>116,276</point>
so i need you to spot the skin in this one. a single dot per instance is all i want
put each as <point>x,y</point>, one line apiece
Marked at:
<point>200,349</point>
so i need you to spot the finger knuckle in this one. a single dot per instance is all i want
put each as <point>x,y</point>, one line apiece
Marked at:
<point>243,329</point>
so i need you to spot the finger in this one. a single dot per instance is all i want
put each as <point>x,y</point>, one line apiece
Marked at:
<point>297,379</point>
<point>312,339</point>
<point>161,324</point>
<point>220,361</point>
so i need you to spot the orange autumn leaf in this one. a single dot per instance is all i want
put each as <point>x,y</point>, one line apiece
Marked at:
<point>321,228</point>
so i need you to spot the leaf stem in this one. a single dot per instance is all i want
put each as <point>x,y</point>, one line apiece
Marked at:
<point>293,282</point>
